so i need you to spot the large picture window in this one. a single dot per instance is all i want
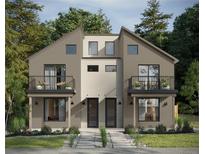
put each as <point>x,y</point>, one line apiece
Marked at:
<point>149,109</point>
<point>54,109</point>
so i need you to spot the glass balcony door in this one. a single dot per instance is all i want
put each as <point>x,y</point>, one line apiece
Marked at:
<point>149,76</point>
<point>54,76</point>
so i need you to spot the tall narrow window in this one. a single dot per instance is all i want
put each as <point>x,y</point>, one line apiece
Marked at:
<point>132,49</point>
<point>109,48</point>
<point>93,48</point>
<point>149,109</point>
<point>54,109</point>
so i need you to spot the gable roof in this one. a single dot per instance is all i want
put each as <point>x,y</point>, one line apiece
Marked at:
<point>175,60</point>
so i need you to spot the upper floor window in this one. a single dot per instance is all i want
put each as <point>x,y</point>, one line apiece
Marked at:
<point>92,68</point>
<point>110,68</point>
<point>71,49</point>
<point>132,49</point>
<point>93,48</point>
<point>109,48</point>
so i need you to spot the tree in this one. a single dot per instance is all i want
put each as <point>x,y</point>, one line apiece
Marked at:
<point>184,41</point>
<point>67,22</point>
<point>24,35</point>
<point>154,24</point>
<point>190,89</point>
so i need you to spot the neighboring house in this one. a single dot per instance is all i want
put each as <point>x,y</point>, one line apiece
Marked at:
<point>111,80</point>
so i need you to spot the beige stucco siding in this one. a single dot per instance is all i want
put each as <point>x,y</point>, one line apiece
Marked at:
<point>56,54</point>
<point>146,55</point>
<point>102,85</point>
<point>101,45</point>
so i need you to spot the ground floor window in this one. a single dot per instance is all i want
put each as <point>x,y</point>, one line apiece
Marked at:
<point>54,109</point>
<point>149,109</point>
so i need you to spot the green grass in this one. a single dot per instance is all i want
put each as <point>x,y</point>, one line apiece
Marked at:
<point>193,119</point>
<point>168,140</point>
<point>31,142</point>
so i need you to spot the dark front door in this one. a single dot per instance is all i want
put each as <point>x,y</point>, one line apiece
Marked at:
<point>110,112</point>
<point>92,112</point>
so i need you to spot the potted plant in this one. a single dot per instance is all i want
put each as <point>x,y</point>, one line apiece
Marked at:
<point>68,86</point>
<point>40,85</point>
<point>164,84</point>
<point>137,85</point>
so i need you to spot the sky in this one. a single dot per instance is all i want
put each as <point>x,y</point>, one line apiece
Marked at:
<point>120,12</point>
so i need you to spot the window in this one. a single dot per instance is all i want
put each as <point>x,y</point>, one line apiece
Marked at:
<point>93,48</point>
<point>149,109</point>
<point>110,68</point>
<point>132,49</point>
<point>71,49</point>
<point>54,109</point>
<point>149,76</point>
<point>109,48</point>
<point>92,68</point>
<point>54,74</point>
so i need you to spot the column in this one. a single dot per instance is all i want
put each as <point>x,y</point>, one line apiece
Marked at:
<point>69,111</point>
<point>134,112</point>
<point>30,113</point>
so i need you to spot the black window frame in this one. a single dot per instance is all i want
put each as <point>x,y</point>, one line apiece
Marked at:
<point>133,53</point>
<point>159,102</point>
<point>89,52</point>
<point>67,51</point>
<point>44,107</point>
<point>106,42</point>
<point>110,65</point>
<point>97,70</point>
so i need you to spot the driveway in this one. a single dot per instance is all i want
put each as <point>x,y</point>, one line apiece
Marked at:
<point>67,150</point>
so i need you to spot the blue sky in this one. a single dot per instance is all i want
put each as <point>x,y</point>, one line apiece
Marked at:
<point>120,12</point>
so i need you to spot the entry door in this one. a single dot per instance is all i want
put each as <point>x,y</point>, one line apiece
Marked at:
<point>92,110</point>
<point>110,112</point>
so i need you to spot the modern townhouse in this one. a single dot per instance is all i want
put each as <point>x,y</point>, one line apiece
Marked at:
<point>93,80</point>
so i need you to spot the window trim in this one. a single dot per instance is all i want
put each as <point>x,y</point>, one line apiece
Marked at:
<point>67,53</point>
<point>159,102</point>
<point>111,65</point>
<point>89,50</point>
<point>133,53</point>
<point>113,48</point>
<point>92,65</point>
<point>44,106</point>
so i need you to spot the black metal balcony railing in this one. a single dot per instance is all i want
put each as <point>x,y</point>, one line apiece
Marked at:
<point>51,83</point>
<point>151,83</point>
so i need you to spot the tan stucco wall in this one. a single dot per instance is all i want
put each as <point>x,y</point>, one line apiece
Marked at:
<point>101,85</point>
<point>38,115</point>
<point>146,55</point>
<point>101,45</point>
<point>56,54</point>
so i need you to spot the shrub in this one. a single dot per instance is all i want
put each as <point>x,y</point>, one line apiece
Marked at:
<point>179,122</point>
<point>65,130</point>
<point>74,130</point>
<point>57,132</point>
<point>17,124</point>
<point>171,131</point>
<point>71,139</point>
<point>150,131</point>
<point>35,132</point>
<point>103,134</point>
<point>130,129</point>
<point>160,129</point>
<point>140,130</point>
<point>187,127</point>
<point>46,130</point>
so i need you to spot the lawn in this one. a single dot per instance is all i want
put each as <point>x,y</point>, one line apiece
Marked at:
<point>31,142</point>
<point>194,120</point>
<point>168,140</point>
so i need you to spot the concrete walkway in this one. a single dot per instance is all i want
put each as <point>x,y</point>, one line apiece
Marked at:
<point>90,138</point>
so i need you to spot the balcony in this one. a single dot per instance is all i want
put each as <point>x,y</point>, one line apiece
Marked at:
<point>52,84</point>
<point>151,85</point>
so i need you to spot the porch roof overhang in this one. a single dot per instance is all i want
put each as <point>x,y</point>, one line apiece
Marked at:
<point>51,93</point>
<point>152,93</point>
